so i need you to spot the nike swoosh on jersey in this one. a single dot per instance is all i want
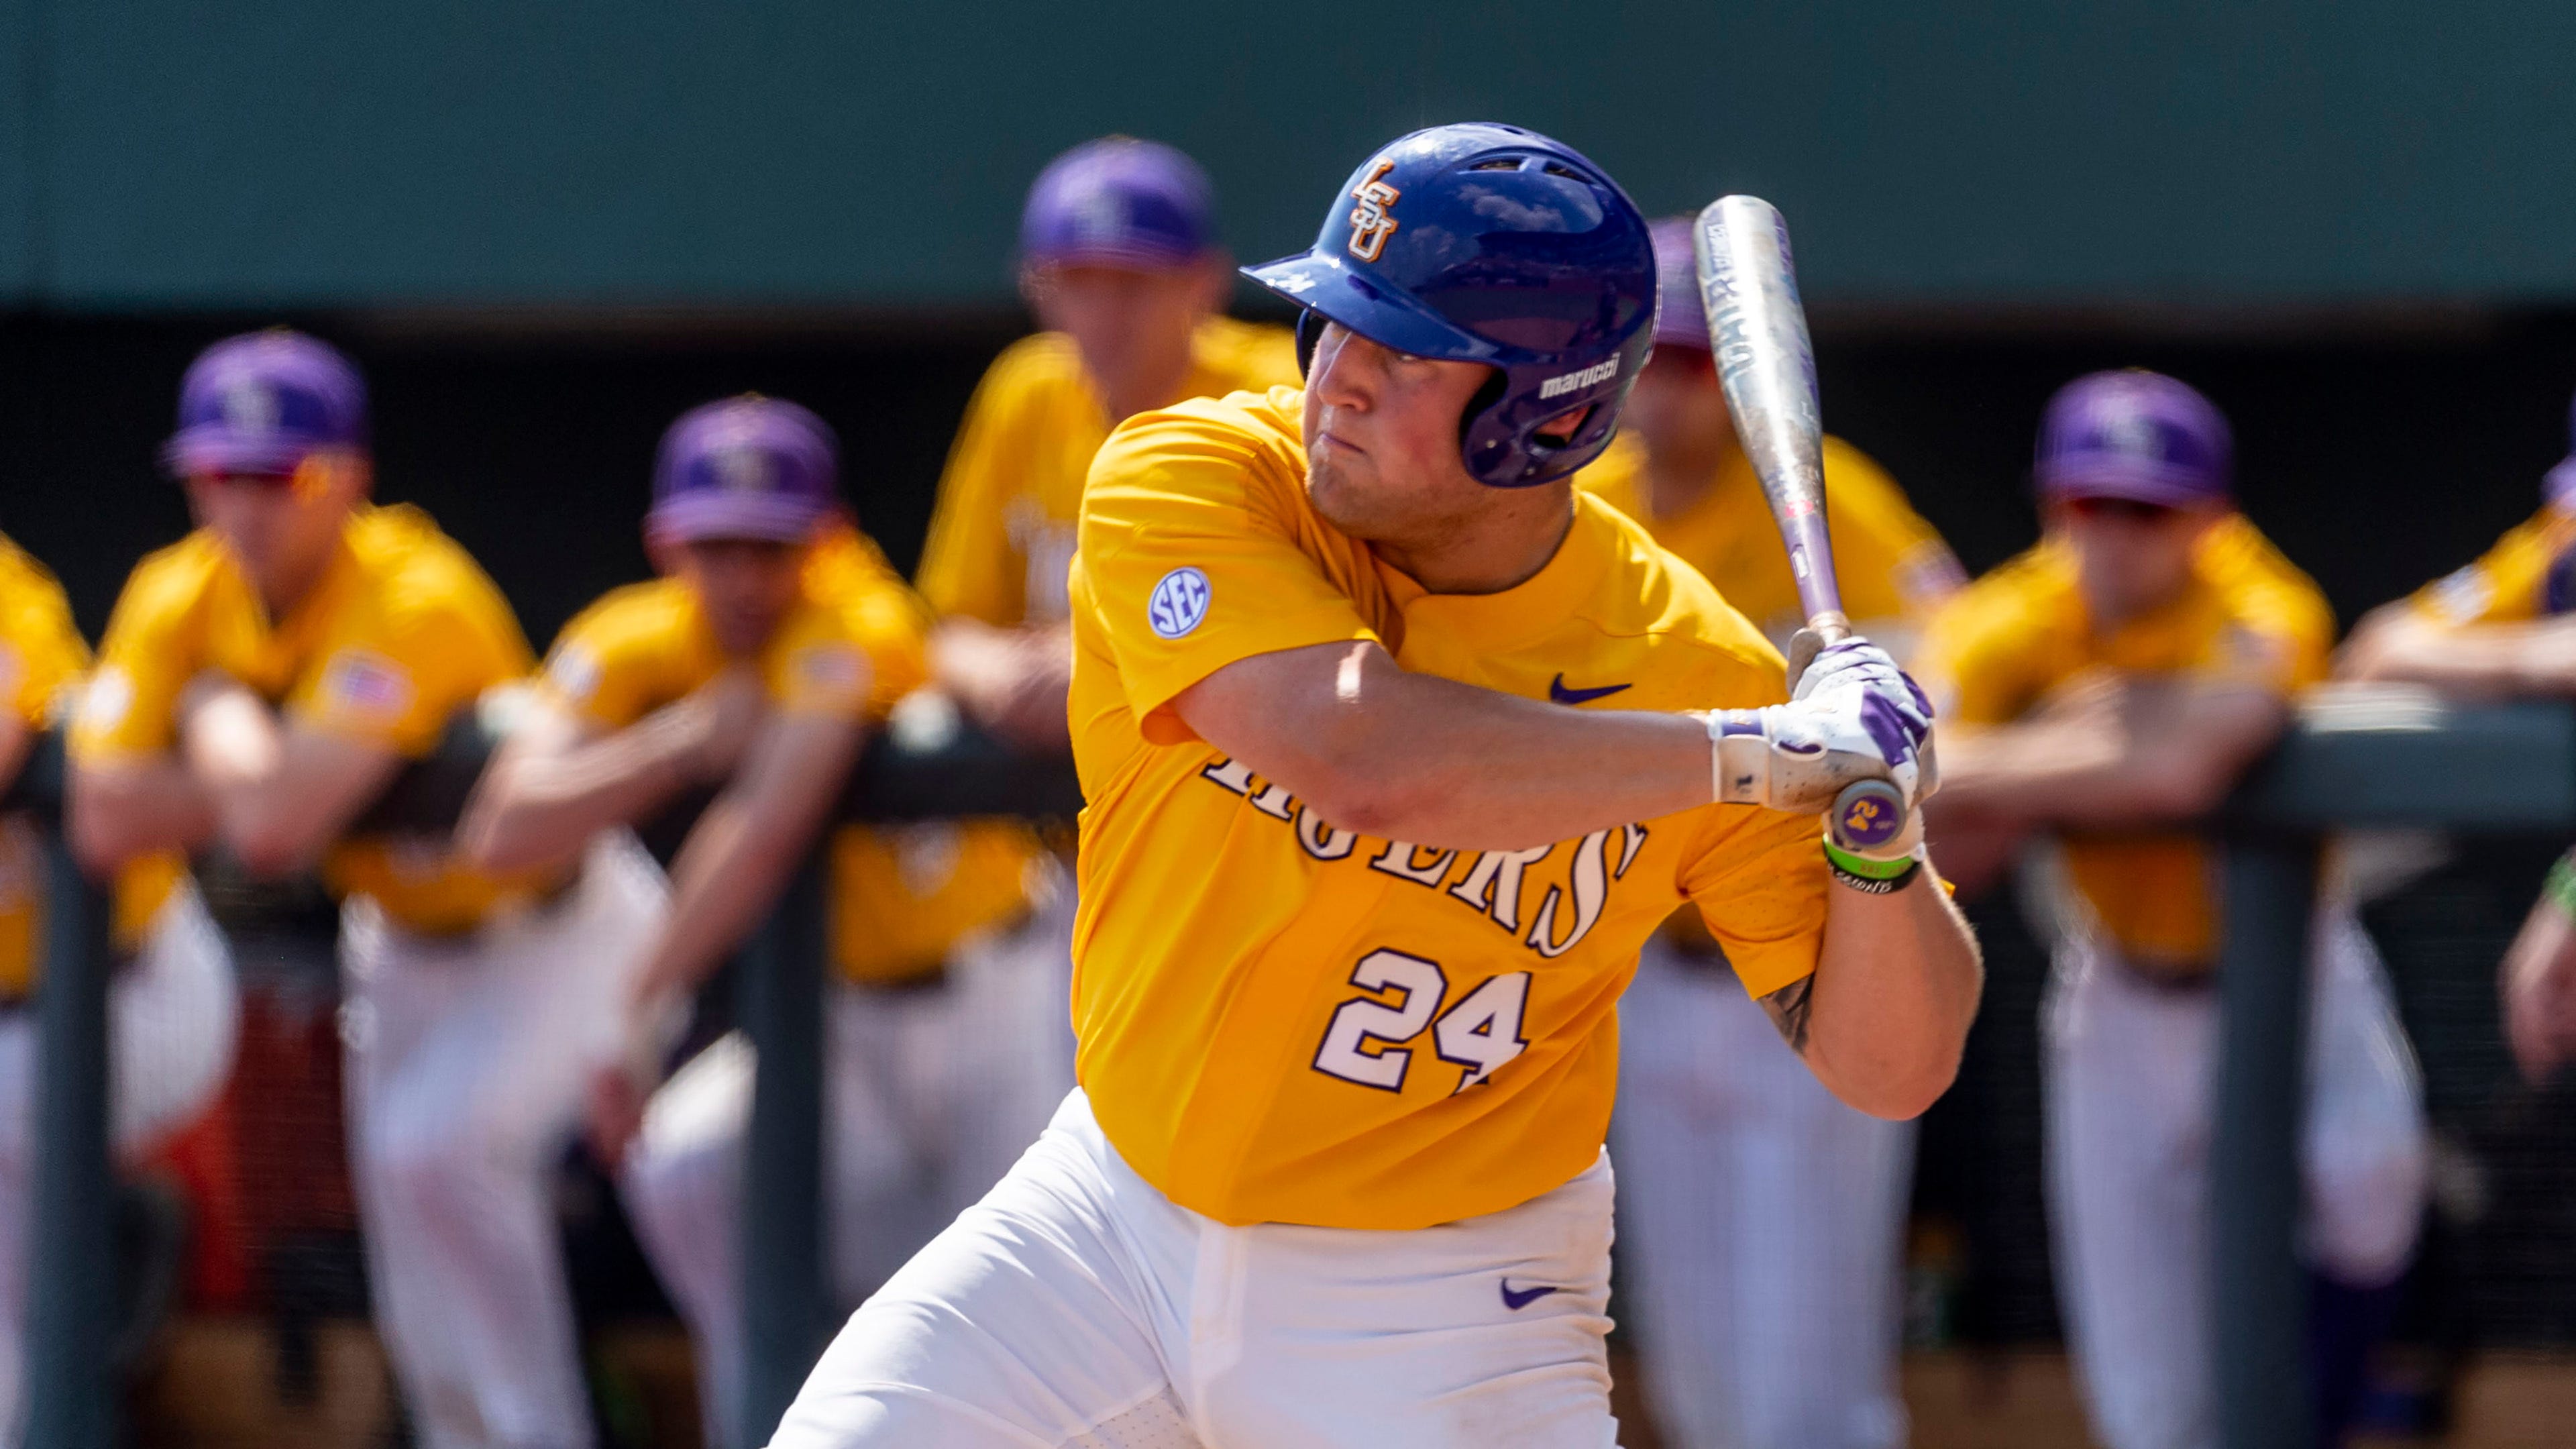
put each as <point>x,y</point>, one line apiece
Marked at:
<point>1516,1301</point>
<point>1557,691</point>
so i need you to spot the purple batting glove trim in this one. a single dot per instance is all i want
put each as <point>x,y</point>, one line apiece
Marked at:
<point>1896,736</point>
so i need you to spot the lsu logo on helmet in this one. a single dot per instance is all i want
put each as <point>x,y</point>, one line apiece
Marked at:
<point>1371,223</point>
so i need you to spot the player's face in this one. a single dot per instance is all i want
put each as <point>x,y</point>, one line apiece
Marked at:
<point>1678,410</point>
<point>1381,432</point>
<point>2130,557</point>
<point>745,585</point>
<point>1132,327</point>
<point>280,529</point>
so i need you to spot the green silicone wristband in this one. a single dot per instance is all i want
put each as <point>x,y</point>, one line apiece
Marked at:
<point>2560,888</point>
<point>1868,869</point>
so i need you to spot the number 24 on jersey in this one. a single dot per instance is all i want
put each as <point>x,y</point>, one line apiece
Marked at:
<point>1365,1043</point>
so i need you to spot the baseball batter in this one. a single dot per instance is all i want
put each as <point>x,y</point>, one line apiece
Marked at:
<point>1765,1217</point>
<point>2108,686</point>
<point>171,1004</point>
<point>260,682</point>
<point>774,642</point>
<point>1359,897</point>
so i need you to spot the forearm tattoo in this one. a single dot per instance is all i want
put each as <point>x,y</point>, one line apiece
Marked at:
<point>1788,1009</point>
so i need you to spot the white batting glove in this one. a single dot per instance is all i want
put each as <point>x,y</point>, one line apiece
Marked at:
<point>1854,716</point>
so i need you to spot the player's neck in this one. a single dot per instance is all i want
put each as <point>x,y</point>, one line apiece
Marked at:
<point>1500,548</point>
<point>288,587</point>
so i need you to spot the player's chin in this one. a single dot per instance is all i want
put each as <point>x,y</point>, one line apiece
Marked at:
<point>1329,485</point>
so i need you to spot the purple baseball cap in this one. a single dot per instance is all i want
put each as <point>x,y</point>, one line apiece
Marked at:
<point>746,467</point>
<point>261,402</point>
<point>2558,485</point>
<point>1119,202</point>
<point>2137,435</point>
<point>1680,318</point>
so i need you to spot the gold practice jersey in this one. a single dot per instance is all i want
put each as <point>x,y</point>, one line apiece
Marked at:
<point>850,648</point>
<point>1003,533</point>
<point>2518,580</point>
<point>1283,1021</point>
<point>1891,564</point>
<point>2248,617</point>
<point>42,658</point>
<point>403,631</point>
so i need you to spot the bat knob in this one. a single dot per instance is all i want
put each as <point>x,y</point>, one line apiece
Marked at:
<point>1867,814</point>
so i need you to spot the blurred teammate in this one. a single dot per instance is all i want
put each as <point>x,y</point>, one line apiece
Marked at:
<point>1764,1216</point>
<point>2505,626</point>
<point>171,1004</point>
<point>2496,627</point>
<point>1119,260</point>
<point>774,642</point>
<point>1334,1176</point>
<point>2108,686</point>
<point>260,682</point>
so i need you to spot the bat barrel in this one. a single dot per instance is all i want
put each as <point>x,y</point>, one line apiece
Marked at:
<point>1766,362</point>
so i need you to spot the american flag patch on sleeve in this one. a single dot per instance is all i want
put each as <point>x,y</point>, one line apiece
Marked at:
<point>362,684</point>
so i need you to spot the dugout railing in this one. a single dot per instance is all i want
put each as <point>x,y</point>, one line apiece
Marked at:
<point>71,1388</point>
<point>2357,758</point>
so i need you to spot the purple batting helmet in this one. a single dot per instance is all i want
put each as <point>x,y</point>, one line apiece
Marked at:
<point>2137,435</point>
<point>260,403</point>
<point>1681,319</point>
<point>746,467</point>
<point>1119,202</point>
<point>1487,243</point>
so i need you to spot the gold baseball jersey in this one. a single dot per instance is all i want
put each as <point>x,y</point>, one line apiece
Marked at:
<point>1283,1021</point>
<point>42,658</point>
<point>1003,531</point>
<point>2248,617</point>
<point>1891,564</point>
<point>403,632</point>
<point>852,646</point>
<point>2510,583</point>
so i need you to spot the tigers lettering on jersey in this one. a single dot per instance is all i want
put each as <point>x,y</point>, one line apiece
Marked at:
<point>1284,1020</point>
<point>1488,882</point>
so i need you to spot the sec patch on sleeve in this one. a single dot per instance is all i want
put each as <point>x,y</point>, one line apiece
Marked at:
<point>1179,602</point>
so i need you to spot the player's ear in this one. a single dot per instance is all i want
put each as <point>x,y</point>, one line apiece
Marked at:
<point>663,550</point>
<point>1036,290</point>
<point>1216,281</point>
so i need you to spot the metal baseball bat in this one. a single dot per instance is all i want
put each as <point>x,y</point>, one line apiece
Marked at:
<point>1757,330</point>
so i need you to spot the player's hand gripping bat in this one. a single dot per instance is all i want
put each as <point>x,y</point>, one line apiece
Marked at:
<point>1758,333</point>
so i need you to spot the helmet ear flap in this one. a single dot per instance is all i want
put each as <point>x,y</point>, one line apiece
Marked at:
<point>1310,331</point>
<point>1478,405</point>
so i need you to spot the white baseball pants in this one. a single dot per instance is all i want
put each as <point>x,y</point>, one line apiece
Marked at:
<point>2131,1077</point>
<point>1076,1307</point>
<point>1764,1223</point>
<point>174,1015</point>
<point>933,1092</point>
<point>468,1060</point>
